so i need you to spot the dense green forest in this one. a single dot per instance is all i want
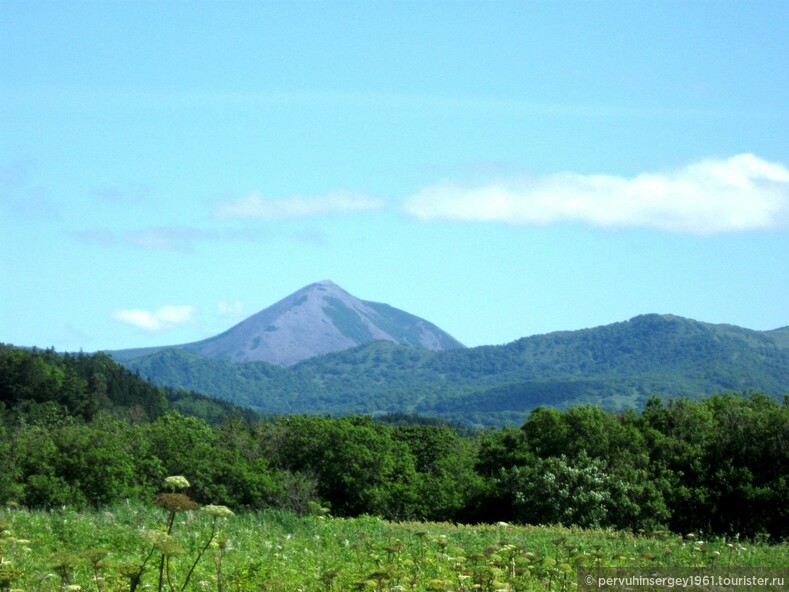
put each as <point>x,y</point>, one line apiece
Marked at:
<point>79,430</point>
<point>616,367</point>
<point>44,386</point>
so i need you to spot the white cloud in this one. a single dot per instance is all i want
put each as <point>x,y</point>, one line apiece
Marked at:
<point>256,206</point>
<point>178,239</point>
<point>230,308</point>
<point>712,196</point>
<point>167,317</point>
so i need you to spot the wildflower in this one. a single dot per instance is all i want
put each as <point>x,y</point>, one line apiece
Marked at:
<point>222,544</point>
<point>129,569</point>
<point>94,556</point>
<point>176,482</point>
<point>63,561</point>
<point>218,511</point>
<point>154,536</point>
<point>174,502</point>
<point>169,548</point>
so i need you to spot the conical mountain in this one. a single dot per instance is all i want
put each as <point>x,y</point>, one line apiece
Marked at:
<point>318,319</point>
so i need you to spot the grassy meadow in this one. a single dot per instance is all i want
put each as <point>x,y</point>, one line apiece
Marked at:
<point>127,547</point>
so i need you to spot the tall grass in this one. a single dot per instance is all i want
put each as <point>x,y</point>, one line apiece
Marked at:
<point>273,550</point>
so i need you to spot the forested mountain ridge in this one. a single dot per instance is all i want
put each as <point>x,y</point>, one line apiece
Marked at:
<point>78,430</point>
<point>45,387</point>
<point>315,320</point>
<point>780,336</point>
<point>614,366</point>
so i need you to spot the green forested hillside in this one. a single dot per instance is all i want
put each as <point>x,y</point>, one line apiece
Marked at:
<point>43,385</point>
<point>780,336</point>
<point>719,464</point>
<point>616,366</point>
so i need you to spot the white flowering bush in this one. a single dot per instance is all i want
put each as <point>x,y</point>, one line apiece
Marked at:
<point>557,490</point>
<point>176,482</point>
<point>218,511</point>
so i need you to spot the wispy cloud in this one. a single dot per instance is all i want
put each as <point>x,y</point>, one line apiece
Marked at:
<point>102,237</point>
<point>231,309</point>
<point>263,208</point>
<point>167,238</point>
<point>712,196</point>
<point>167,317</point>
<point>58,99</point>
<point>19,198</point>
<point>122,195</point>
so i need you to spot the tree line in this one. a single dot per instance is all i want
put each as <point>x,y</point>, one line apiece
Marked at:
<point>81,431</point>
<point>616,367</point>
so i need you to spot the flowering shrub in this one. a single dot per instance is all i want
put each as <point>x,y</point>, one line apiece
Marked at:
<point>556,491</point>
<point>218,511</point>
<point>176,482</point>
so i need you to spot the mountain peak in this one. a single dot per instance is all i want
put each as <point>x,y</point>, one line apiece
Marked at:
<point>319,318</point>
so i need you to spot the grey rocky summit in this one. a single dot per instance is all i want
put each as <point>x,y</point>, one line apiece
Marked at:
<point>318,319</point>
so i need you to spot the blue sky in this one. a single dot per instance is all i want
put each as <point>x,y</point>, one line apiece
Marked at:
<point>501,169</point>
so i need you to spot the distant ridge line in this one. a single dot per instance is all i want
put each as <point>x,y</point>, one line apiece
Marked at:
<point>319,318</point>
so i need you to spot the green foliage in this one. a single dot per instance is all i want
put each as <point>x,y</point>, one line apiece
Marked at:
<point>131,547</point>
<point>614,367</point>
<point>359,467</point>
<point>719,465</point>
<point>556,491</point>
<point>445,479</point>
<point>347,321</point>
<point>48,388</point>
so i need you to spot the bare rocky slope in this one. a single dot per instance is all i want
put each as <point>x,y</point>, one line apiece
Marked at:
<point>318,319</point>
